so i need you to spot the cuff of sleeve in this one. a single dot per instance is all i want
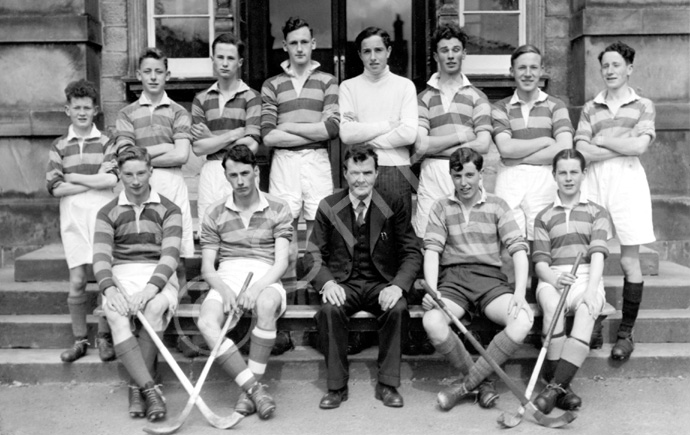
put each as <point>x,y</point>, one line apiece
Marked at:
<point>105,285</point>
<point>601,249</point>
<point>158,282</point>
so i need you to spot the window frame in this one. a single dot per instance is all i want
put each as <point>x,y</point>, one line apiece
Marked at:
<point>184,66</point>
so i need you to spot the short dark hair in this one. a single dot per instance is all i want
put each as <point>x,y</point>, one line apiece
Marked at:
<point>567,154</point>
<point>465,155</point>
<point>240,154</point>
<point>294,23</point>
<point>81,89</point>
<point>229,38</point>
<point>621,48</point>
<point>359,153</point>
<point>372,31</point>
<point>133,153</point>
<point>448,31</point>
<point>153,53</point>
<point>524,49</point>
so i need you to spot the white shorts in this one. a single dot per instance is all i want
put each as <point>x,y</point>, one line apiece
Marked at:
<point>213,186</point>
<point>302,178</point>
<point>169,182</point>
<point>620,185</point>
<point>234,272</point>
<point>434,183</point>
<point>578,289</point>
<point>528,189</point>
<point>77,224</point>
<point>133,277</point>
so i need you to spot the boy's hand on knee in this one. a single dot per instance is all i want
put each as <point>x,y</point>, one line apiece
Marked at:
<point>518,303</point>
<point>117,301</point>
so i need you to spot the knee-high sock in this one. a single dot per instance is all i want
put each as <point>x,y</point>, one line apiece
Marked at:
<point>500,349</point>
<point>129,353</point>
<point>553,354</point>
<point>232,362</point>
<point>574,354</point>
<point>103,327</point>
<point>632,296</point>
<point>454,351</point>
<point>260,349</point>
<point>78,309</point>
<point>149,351</point>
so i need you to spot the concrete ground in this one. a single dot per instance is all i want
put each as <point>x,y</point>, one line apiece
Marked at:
<point>611,406</point>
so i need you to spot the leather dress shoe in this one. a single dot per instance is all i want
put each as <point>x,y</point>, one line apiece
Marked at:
<point>487,394</point>
<point>333,398</point>
<point>568,401</point>
<point>546,400</point>
<point>388,395</point>
<point>623,348</point>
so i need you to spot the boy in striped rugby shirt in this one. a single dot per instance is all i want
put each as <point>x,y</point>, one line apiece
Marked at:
<point>530,127</point>
<point>224,115</point>
<point>248,231</point>
<point>570,226</point>
<point>615,129</point>
<point>162,127</point>
<point>136,251</point>
<point>81,171</point>
<point>453,113</point>
<point>299,116</point>
<point>464,237</point>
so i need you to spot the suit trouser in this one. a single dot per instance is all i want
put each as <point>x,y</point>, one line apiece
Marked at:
<point>333,326</point>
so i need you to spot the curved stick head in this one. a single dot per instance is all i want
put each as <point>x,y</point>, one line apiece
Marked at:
<point>226,422</point>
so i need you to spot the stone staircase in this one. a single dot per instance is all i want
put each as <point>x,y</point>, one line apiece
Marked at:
<point>35,328</point>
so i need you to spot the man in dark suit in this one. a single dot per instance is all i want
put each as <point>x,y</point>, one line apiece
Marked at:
<point>363,255</point>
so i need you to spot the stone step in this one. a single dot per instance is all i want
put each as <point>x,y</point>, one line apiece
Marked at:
<point>48,263</point>
<point>54,331</point>
<point>306,364</point>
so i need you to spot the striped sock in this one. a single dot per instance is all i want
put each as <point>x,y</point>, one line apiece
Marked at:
<point>500,349</point>
<point>260,349</point>
<point>454,351</point>
<point>232,362</point>
<point>129,353</point>
<point>574,354</point>
<point>78,309</point>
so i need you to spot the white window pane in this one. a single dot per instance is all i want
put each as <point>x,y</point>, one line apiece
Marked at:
<point>492,34</point>
<point>491,5</point>
<point>183,37</point>
<point>180,7</point>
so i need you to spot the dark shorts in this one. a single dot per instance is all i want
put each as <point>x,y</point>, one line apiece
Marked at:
<point>472,286</point>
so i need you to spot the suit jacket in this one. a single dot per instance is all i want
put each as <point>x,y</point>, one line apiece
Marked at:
<point>395,249</point>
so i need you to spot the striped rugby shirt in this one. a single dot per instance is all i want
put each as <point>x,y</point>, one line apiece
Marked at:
<point>561,233</point>
<point>317,102</point>
<point>469,109</point>
<point>69,155</point>
<point>597,119</point>
<point>548,117</point>
<point>243,109</point>
<point>224,231</point>
<point>473,236</point>
<point>141,124</point>
<point>126,233</point>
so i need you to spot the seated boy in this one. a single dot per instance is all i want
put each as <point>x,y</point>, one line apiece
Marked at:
<point>464,236</point>
<point>571,225</point>
<point>81,171</point>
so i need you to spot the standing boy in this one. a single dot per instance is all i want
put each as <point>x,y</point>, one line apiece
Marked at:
<point>615,129</point>
<point>81,171</point>
<point>248,231</point>
<point>160,125</point>
<point>463,265</point>
<point>530,127</point>
<point>136,250</point>
<point>380,108</point>
<point>570,226</point>
<point>452,114</point>
<point>298,117</point>
<point>224,115</point>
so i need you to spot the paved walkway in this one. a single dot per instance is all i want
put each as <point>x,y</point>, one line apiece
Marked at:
<point>611,406</point>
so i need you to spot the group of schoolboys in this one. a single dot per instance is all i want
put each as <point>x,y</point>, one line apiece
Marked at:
<point>363,253</point>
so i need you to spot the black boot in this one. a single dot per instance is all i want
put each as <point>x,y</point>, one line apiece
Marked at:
<point>632,296</point>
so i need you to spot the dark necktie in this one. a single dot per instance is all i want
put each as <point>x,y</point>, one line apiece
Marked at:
<point>359,211</point>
